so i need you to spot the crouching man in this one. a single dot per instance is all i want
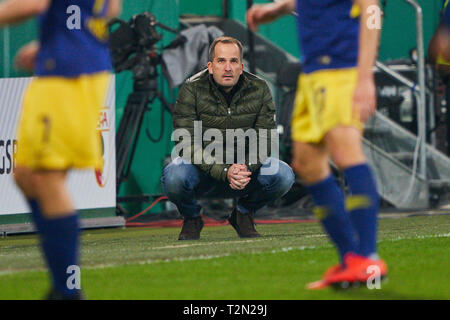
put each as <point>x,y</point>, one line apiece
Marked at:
<point>215,106</point>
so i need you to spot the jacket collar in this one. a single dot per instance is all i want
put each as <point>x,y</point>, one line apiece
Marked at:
<point>242,82</point>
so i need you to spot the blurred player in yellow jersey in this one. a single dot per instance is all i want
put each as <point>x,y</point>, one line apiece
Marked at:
<point>335,96</point>
<point>57,129</point>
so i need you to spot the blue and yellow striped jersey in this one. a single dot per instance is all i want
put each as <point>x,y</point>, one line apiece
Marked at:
<point>329,34</point>
<point>74,39</point>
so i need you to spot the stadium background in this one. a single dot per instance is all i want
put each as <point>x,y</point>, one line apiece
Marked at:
<point>398,37</point>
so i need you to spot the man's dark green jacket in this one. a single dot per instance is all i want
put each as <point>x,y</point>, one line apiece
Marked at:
<point>252,106</point>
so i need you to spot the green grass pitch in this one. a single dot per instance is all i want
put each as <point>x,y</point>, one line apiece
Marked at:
<point>152,264</point>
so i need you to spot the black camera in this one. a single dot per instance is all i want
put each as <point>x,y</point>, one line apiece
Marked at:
<point>133,44</point>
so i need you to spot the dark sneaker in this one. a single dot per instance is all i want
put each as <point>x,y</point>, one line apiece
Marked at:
<point>56,295</point>
<point>191,228</point>
<point>243,224</point>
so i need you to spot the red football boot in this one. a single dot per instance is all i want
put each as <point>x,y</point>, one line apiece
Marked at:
<point>358,271</point>
<point>321,284</point>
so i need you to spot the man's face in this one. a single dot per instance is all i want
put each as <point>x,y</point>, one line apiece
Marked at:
<point>227,65</point>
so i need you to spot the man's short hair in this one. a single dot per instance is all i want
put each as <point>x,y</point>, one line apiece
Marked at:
<point>212,47</point>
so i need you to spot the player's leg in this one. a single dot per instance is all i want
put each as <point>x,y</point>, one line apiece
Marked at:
<point>23,179</point>
<point>56,221</point>
<point>345,147</point>
<point>54,135</point>
<point>323,103</point>
<point>310,161</point>
<point>58,224</point>
<point>52,192</point>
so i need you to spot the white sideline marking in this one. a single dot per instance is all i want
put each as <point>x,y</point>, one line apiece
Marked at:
<point>226,242</point>
<point>207,244</point>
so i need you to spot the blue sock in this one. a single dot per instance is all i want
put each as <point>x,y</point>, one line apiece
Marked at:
<point>331,212</point>
<point>36,213</point>
<point>363,204</point>
<point>60,244</point>
<point>59,241</point>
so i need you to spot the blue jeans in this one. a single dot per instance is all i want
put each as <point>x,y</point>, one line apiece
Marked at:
<point>183,183</point>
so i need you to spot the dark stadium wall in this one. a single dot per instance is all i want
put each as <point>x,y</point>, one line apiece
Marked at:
<point>201,7</point>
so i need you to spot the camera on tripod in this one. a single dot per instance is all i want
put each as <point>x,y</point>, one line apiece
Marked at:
<point>133,47</point>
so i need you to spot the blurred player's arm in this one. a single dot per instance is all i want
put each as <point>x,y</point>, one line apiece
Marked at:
<point>15,11</point>
<point>440,44</point>
<point>439,47</point>
<point>439,50</point>
<point>260,14</point>
<point>369,36</point>
<point>365,92</point>
<point>115,8</point>
<point>26,56</point>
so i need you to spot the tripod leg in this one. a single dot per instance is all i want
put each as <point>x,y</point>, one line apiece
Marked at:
<point>128,133</point>
<point>165,103</point>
